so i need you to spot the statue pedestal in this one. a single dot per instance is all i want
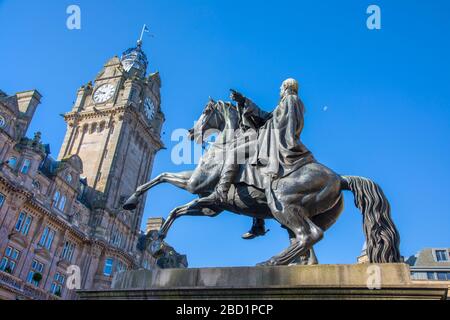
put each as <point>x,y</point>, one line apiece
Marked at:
<point>391,281</point>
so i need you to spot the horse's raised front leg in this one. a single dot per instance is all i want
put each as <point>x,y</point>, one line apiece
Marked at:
<point>180,180</point>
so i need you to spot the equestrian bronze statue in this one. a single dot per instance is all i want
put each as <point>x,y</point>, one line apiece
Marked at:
<point>257,166</point>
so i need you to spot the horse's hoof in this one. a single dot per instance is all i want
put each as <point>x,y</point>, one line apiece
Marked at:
<point>131,203</point>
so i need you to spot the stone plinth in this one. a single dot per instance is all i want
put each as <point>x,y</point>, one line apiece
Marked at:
<point>284,282</point>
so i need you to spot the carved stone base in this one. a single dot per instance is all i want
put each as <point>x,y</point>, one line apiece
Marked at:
<point>362,281</point>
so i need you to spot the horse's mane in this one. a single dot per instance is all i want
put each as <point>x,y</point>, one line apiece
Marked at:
<point>227,107</point>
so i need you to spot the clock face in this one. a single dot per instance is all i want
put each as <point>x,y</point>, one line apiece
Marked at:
<point>149,108</point>
<point>104,93</point>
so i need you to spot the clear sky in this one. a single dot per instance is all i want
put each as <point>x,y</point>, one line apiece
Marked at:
<point>378,102</point>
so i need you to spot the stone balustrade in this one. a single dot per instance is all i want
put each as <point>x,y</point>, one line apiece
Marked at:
<point>27,290</point>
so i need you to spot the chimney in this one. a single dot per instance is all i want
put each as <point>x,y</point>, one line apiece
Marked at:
<point>27,102</point>
<point>154,224</point>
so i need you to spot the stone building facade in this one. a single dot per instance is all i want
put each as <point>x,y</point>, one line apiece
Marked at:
<point>65,213</point>
<point>431,265</point>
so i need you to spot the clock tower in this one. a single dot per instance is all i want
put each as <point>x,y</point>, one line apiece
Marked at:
<point>114,127</point>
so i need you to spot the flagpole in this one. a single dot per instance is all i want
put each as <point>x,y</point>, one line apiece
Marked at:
<point>142,32</point>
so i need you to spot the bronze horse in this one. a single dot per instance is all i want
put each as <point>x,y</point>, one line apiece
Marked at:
<point>308,201</point>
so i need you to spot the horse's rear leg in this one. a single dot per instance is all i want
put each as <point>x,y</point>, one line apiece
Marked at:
<point>305,232</point>
<point>308,258</point>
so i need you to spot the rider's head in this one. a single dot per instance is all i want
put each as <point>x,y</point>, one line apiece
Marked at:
<point>289,86</point>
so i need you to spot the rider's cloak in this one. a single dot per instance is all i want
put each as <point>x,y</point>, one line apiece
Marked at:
<point>279,150</point>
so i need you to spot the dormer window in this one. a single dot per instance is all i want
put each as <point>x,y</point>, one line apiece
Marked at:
<point>69,178</point>
<point>25,166</point>
<point>441,255</point>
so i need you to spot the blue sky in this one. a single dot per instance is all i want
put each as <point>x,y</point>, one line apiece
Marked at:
<point>386,94</point>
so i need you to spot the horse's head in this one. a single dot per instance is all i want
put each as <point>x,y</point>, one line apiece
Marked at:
<point>216,116</point>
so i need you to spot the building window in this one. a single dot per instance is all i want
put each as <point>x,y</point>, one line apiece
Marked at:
<point>57,284</point>
<point>56,197</point>
<point>9,260</point>
<point>431,276</point>
<point>120,266</point>
<point>37,186</point>
<point>35,274</point>
<point>69,178</point>
<point>441,255</point>
<point>107,270</point>
<point>419,275</point>
<point>47,238</point>
<point>442,276</point>
<point>23,223</point>
<point>93,128</point>
<point>67,253</point>
<point>117,238</point>
<point>20,220</point>
<point>62,203</point>
<point>26,166</point>
<point>2,122</point>
<point>2,200</point>
<point>12,162</point>
<point>101,127</point>
<point>59,201</point>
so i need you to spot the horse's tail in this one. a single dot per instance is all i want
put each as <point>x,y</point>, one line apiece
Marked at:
<point>382,238</point>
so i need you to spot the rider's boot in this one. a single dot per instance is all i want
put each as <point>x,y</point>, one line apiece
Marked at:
<point>258,229</point>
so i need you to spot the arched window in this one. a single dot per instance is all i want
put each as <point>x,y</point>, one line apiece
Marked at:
<point>12,162</point>
<point>69,178</point>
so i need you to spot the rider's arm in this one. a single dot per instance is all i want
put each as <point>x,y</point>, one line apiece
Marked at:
<point>260,116</point>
